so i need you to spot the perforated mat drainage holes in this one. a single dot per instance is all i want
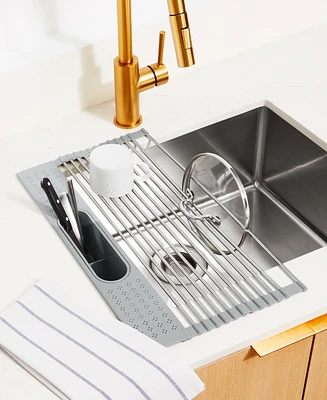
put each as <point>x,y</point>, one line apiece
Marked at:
<point>183,264</point>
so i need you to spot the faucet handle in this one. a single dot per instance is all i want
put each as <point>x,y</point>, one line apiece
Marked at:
<point>159,69</point>
<point>161,47</point>
<point>154,74</point>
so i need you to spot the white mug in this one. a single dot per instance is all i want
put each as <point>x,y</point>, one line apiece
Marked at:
<point>112,170</point>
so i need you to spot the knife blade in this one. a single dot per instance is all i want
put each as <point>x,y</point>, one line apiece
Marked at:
<point>65,201</point>
<point>56,204</point>
<point>60,212</point>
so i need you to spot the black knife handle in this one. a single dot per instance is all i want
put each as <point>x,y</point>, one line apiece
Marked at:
<point>55,202</point>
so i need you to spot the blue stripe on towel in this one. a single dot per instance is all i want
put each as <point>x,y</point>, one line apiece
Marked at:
<point>56,359</point>
<point>85,348</point>
<point>164,373</point>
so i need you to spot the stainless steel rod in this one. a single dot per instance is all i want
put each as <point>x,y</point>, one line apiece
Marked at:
<point>231,246</point>
<point>289,273</point>
<point>230,272</point>
<point>106,202</point>
<point>166,194</point>
<point>180,166</point>
<point>167,227</point>
<point>177,302</point>
<point>150,223</point>
<point>223,279</point>
<point>234,253</point>
<point>231,275</point>
<point>118,218</point>
<point>187,263</point>
<point>227,258</point>
<point>187,288</point>
<point>170,231</point>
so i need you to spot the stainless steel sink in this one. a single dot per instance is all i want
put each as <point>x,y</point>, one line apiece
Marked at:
<point>284,174</point>
<point>150,263</point>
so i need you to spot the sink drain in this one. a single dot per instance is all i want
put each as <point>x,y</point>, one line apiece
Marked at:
<point>183,264</point>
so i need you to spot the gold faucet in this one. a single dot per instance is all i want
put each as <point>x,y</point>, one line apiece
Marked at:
<point>130,80</point>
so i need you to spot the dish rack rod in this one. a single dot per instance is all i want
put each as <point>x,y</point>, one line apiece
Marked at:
<point>181,301</point>
<point>210,195</point>
<point>233,286</point>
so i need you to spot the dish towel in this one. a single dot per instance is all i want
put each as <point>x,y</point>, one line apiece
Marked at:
<point>81,356</point>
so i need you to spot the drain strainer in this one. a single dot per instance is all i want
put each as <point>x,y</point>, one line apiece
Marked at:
<point>182,262</point>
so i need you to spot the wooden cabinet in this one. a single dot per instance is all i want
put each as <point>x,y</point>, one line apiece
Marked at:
<point>288,366</point>
<point>316,387</point>
<point>280,375</point>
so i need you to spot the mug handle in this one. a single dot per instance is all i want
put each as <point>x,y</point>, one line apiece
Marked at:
<point>146,175</point>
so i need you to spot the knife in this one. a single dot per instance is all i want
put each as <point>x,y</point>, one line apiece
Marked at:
<point>56,205</point>
<point>65,201</point>
<point>60,212</point>
<point>73,203</point>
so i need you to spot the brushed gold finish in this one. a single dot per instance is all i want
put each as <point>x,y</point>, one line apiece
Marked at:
<point>181,33</point>
<point>161,73</point>
<point>127,95</point>
<point>125,44</point>
<point>182,40</point>
<point>176,7</point>
<point>318,324</point>
<point>147,79</point>
<point>130,80</point>
<point>282,340</point>
<point>159,69</point>
<point>291,336</point>
<point>161,47</point>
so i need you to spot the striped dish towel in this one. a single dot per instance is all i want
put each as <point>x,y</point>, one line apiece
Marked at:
<point>81,356</point>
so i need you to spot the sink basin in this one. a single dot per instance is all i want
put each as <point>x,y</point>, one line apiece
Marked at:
<point>282,170</point>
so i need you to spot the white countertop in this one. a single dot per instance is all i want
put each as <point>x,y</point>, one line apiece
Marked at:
<point>290,74</point>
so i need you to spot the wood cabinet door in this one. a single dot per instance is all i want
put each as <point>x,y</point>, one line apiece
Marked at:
<point>316,387</point>
<point>245,376</point>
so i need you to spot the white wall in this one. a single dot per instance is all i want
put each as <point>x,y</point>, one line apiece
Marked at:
<point>25,25</point>
<point>83,76</point>
<point>34,30</point>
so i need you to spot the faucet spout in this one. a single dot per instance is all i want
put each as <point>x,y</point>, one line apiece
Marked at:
<point>181,33</point>
<point>125,42</point>
<point>130,80</point>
